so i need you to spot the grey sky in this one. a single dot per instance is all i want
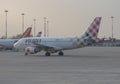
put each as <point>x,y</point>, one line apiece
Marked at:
<point>67,17</point>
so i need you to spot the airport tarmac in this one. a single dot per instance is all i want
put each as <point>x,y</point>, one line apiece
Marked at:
<point>90,65</point>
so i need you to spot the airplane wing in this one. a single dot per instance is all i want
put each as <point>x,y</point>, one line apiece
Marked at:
<point>46,47</point>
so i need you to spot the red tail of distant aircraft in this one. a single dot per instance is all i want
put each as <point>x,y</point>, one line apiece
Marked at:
<point>26,33</point>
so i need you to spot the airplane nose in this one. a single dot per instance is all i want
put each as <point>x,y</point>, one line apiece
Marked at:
<point>16,45</point>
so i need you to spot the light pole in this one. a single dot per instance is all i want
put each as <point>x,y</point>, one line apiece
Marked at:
<point>34,26</point>
<point>112,29</point>
<point>23,22</point>
<point>112,25</point>
<point>44,26</point>
<point>6,22</point>
<point>47,28</point>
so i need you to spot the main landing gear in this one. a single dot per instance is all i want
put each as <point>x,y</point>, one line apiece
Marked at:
<point>26,54</point>
<point>60,53</point>
<point>49,53</point>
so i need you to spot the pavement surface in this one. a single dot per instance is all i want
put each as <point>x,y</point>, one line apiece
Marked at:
<point>90,65</point>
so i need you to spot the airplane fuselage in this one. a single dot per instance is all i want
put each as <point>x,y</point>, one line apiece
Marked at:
<point>7,43</point>
<point>57,43</point>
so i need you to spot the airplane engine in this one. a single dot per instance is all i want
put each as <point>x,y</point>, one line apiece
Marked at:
<point>31,50</point>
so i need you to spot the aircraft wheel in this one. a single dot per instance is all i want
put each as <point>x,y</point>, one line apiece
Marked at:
<point>60,53</point>
<point>26,54</point>
<point>47,54</point>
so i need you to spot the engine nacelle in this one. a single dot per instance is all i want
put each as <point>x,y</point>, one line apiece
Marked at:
<point>31,50</point>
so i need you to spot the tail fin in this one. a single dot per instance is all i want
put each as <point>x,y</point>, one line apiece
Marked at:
<point>93,29</point>
<point>26,33</point>
<point>39,34</point>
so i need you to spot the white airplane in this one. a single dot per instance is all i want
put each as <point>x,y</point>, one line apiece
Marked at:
<point>33,45</point>
<point>8,43</point>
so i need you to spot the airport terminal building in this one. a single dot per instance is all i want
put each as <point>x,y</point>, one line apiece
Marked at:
<point>108,42</point>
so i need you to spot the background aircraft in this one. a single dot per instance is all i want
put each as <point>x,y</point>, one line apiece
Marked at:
<point>8,43</point>
<point>33,45</point>
<point>39,34</point>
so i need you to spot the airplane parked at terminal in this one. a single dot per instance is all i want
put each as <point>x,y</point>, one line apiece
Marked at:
<point>8,43</point>
<point>33,45</point>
